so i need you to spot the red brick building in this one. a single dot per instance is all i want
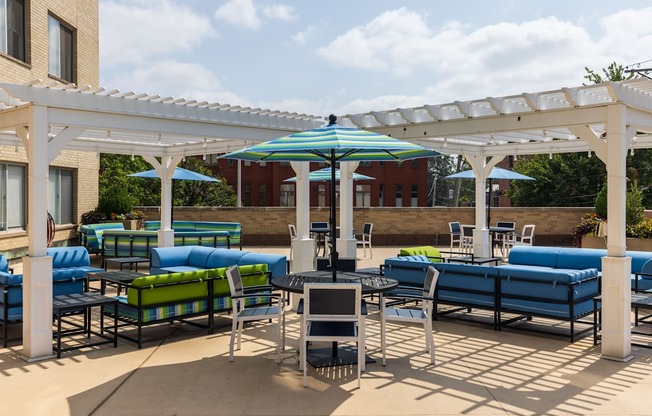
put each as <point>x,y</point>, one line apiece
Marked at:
<point>396,184</point>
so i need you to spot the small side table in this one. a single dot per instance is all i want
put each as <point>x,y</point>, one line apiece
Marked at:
<point>131,261</point>
<point>64,305</point>
<point>474,260</point>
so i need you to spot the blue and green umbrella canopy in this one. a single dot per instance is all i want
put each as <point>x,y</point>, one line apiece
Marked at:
<point>325,175</point>
<point>333,141</point>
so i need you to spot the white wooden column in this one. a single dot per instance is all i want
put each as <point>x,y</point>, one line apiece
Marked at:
<point>346,244</point>
<point>616,267</point>
<point>481,169</point>
<point>165,170</point>
<point>304,246</point>
<point>37,266</point>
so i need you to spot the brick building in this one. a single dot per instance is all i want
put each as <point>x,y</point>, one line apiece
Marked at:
<point>56,40</point>
<point>397,184</point>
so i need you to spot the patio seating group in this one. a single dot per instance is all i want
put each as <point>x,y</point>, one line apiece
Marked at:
<point>69,268</point>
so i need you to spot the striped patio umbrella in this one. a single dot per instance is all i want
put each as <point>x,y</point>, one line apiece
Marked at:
<point>325,175</point>
<point>332,143</point>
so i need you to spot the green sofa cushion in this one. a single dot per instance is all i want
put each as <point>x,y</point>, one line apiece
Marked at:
<point>252,275</point>
<point>155,290</point>
<point>432,253</point>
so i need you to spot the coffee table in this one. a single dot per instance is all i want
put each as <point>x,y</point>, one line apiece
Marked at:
<point>131,261</point>
<point>115,278</point>
<point>638,300</point>
<point>474,260</point>
<point>76,303</point>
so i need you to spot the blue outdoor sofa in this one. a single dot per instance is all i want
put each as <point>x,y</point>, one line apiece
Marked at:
<point>69,268</point>
<point>191,258</point>
<point>539,281</point>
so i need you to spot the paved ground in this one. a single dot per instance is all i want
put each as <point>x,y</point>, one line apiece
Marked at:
<point>478,372</point>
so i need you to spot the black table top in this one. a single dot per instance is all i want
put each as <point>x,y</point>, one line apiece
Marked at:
<point>77,300</point>
<point>126,259</point>
<point>370,283</point>
<point>116,275</point>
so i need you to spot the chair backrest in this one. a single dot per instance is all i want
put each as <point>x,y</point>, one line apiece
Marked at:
<point>467,230</point>
<point>506,224</point>
<point>293,231</point>
<point>455,227</point>
<point>332,301</point>
<point>318,225</point>
<point>528,233</point>
<point>430,283</point>
<point>368,226</point>
<point>235,281</point>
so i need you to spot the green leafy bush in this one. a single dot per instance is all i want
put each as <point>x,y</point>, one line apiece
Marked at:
<point>115,201</point>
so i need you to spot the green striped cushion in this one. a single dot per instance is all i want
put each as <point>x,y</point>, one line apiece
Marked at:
<point>159,312</point>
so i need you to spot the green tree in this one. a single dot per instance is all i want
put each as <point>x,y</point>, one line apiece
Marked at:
<point>573,179</point>
<point>438,168</point>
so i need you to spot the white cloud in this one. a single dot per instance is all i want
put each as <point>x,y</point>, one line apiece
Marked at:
<point>459,62</point>
<point>133,32</point>
<point>241,13</point>
<point>301,38</point>
<point>280,12</point>
<point>180,80</point>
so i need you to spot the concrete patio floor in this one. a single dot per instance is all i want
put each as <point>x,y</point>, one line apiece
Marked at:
<point>478,372</point>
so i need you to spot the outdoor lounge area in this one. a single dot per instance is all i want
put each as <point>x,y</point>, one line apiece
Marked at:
<point>476,371</point>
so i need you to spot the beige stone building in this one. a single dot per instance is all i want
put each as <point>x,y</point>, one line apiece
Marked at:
<point>58,41</point>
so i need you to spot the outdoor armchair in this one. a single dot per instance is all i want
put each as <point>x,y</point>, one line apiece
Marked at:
<point>243,313</point>
<point>365,239</point>
<point>398,312</point>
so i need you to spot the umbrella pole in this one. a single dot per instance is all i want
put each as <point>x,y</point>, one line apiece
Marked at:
<point>332,219</point>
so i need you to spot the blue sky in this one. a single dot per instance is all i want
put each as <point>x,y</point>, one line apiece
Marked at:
<point>348,56</point>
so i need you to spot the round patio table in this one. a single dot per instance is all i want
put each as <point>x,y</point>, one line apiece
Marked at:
<point>370,283</point>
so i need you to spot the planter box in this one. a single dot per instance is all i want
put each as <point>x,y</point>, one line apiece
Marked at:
<point>633,244</point>
<point>593,241</point>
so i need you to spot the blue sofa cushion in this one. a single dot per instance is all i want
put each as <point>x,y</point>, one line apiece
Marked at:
<point>467,284</point>
<point>534,256</point>
<point>407,270</point>
<point>199,256</point>
<point>580,258</point>
<point>69,256</point>
<point>170,256</point>
<point>276,264</point>
<point>10,279</point>
<point>175,269</point>
<point>223,257</point>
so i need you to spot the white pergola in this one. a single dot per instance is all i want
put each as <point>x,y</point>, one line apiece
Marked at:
<point>606,119</point>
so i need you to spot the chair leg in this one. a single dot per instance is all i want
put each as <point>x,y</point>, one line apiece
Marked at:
<point>302,354</point>
<point>383,341</point>
<point>234,327</point>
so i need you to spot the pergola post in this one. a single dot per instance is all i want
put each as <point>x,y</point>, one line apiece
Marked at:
<point>303,247</point>
<point>616,267</point>
<point>346,243</point>
<point>165,170</point>
<point>37,266</point>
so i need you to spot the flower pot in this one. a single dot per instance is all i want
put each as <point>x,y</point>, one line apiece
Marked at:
<point>130,224</point>
<point>639,244</point>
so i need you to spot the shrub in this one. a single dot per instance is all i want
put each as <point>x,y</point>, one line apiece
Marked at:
<point>115,201</point>
<point>93,217</point>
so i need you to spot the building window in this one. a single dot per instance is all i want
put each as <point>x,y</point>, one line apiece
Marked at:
<point>399,196</point>
<point>246,195</point>
<point>365,163</point>
<point>247,162</point>
<point>381,196</point>
<point>230,163</point>
<point>262,164</point>
<point>287,195</point>
<point>12,28</point>
<point>415,163</point>
<point>262,195</point>
<point>363,195</point>
<point>321,195</point>
<point>60,52</point>
<point>414,196</point>
<point>12,188</point>
<point>60,195</point>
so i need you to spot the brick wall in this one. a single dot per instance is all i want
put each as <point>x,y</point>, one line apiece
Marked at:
<point>392,226</point>
<point>83,17</point>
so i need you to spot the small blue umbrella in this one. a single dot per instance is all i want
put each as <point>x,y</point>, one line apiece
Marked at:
<point>496,173</point>
<point>325,175</point>
<point>179,174</point>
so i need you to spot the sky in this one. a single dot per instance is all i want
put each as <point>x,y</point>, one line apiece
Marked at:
<point>356,56</point>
